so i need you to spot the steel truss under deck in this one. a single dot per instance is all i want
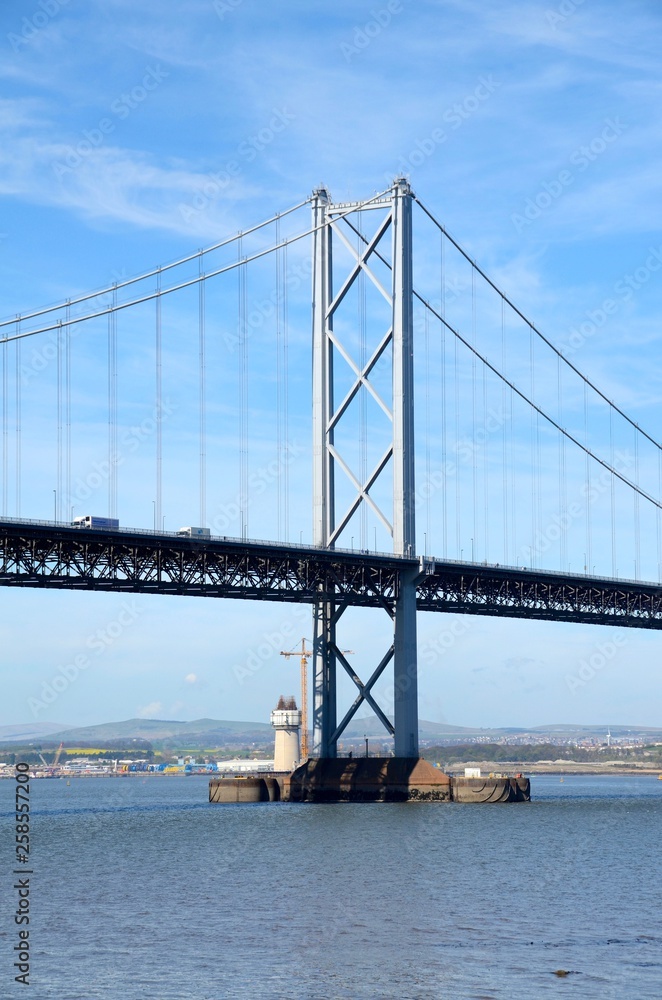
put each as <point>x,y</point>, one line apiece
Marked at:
<point>54,556</point>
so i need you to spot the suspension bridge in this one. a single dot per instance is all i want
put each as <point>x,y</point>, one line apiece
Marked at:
<point>456,459</point>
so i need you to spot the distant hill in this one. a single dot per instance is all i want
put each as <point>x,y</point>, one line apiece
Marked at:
<point>217,732</point>
<point>426,730</point>
<point>159,729</point>
<point>29,731</point>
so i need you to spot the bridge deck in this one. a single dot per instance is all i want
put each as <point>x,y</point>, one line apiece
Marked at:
<point>42,554</point>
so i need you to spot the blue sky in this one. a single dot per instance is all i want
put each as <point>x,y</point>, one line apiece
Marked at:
<point>133,136</point>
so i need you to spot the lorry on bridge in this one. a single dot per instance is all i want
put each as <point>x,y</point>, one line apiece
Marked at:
<point>90,521</point>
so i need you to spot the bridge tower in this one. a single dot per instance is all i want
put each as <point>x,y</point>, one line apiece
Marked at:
<point>372,257</point>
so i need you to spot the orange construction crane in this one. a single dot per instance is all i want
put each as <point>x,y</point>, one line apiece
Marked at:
<point>305,655</point>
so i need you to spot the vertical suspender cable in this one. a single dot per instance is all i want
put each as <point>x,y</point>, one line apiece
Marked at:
<point>612,485</point>
<point>109,365</point>
<point>589,562</point>
<point>563,528</point>
<point>67,373</point>
<point>533,451</point>
<point>458,532</point>
<point>486,526</point>
<point>202,375</point>
<point>504,452</point>
<point>158,522</point>
<point>473,407</point>
<point>279,402</point>
<point>58,495</point>
<point>5,443</point>
<point>513,480</point>
<point>444,484</point>
<point>428,468</point>
<point>18,421</point>
<point>112,406</point>
<point>539,491</point>
<point>286,397</point>
<point>115,379</point>
<point>240,327</point>
<point>243,456</point>
<point>637,536</point>
<point>113,468</point>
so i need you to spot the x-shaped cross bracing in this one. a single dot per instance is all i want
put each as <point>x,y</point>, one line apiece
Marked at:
<point>362,379</point>
<point>364,691</point>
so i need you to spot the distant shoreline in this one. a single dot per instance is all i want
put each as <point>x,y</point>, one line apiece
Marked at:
<point>568,768</point>
<point>487,767</point>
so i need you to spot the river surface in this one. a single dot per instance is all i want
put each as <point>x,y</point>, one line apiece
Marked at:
<point>143,891</point>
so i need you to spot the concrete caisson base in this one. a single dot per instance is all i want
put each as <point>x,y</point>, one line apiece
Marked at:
<point>371,779</point>
<point>368,779</point>
<point>491,789</point>
<point>252,788</point>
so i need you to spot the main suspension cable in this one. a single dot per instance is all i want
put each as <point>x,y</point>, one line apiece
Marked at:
<point>531,403</point>
<point>548,342</point>
<point>160,269</point>
<point>173,288</point>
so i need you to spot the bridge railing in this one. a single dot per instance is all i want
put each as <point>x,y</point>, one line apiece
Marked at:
<point>427,562</point>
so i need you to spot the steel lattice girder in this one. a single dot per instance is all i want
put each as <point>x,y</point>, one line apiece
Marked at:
<point>77,559</point>
<point>538,595</point>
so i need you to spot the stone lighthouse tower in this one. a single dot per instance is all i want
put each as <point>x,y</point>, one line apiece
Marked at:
<point>286,720</point>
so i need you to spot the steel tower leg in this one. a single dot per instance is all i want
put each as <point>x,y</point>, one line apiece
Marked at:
<point>327,528</point>
<point>404,528</point>
<point>324,681</point>
<point>324,662</point>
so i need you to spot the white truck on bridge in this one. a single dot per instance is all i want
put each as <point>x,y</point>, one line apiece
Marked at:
<point>90,521</point>
<point>195,532</point>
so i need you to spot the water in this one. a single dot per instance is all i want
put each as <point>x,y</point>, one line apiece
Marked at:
<point>143,890</point>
